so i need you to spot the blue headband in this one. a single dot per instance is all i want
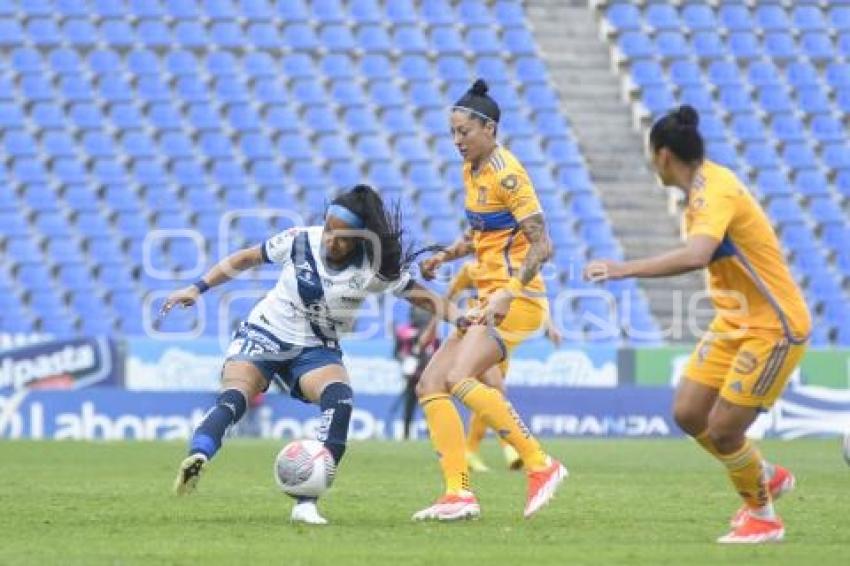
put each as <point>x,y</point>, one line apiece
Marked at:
<point>346,216</point>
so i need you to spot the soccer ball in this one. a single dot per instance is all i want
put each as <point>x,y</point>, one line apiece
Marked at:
<point>304,468</point>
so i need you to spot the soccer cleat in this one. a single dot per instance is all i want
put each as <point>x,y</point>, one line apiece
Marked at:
<point>307,512</point>
<point>512,457</point>
<point>189,474</point>
<point>475,463</point>
<point>451,507</point>
<point>782,482</point>
<point>753,530</point>
<point>542,485</point>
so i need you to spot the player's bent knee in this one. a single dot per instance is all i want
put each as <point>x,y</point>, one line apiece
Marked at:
<point>691,421</point>
<point>726,440</point>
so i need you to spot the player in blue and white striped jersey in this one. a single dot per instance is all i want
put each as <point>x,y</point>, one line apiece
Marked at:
<point>292,335</point>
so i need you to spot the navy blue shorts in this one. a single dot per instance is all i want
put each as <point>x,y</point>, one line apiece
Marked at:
<point>279,361</point>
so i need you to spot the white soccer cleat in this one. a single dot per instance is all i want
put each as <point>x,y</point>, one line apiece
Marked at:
<point>451,507</point>
<point>307,512</point>
<point>189,474</point>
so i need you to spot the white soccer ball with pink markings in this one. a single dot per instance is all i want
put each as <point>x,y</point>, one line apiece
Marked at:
<point>304,468</point>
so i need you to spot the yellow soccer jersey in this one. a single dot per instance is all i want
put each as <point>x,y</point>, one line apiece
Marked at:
<point>498,197</point>
<point>749,261</point>
<point>462,281</point>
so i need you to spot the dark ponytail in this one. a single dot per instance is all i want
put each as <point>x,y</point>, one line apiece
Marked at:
<point>479,104</point>
<point>678,131</point>
<point>386,223</point>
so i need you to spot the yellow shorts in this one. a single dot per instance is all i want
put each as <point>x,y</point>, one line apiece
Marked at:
<point>750,370</point>
<point>525,317</point>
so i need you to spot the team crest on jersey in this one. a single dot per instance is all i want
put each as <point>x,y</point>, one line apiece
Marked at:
<point>510,182</point>
<point>698,203</point>
<point>356,282</point>
<point>482,195</point>
<point>746,362</point>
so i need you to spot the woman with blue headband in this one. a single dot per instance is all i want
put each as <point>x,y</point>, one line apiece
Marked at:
<point>291,336</point>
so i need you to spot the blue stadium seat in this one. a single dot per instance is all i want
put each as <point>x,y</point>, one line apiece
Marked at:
<point>818,47</point>
<point>483,41</point>
<point>410,39</point>
<point>744,45</point>
<point>374,39</point>
<point>43,32</point>
<point>366,12</point>
<point>117,33</point>
<point>748,128</point>
<point>447,41</point>
<point>799,156</point>
<point>802,74</point>
<point>154,34</point>
<point>772,18</point>
<point>376,66</point>
<point>827,129</point>
<point>773,183</point>
<point>190,35</point>
<point>708,45</point>
<point>839,18</point>
<point>337,38</point>
<point>662,17</point>
<point>699,17</point>
<point>826,211</point>
<point>836,156</point>
<point>508,14</point>
<point>64,61</point>
<point>227,34</point>
<point>635,45</point>
<point>811,101</point>
<point>780,46</point>
<point>811,183</point>
<point>763,74</point>
<point>838,75</point>
<point>624,17</point>
<point>519,41</point>
<point>26,60</point>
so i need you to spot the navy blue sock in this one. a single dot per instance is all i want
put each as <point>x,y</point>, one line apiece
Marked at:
<point>336,403</point>
<point>228,409</point>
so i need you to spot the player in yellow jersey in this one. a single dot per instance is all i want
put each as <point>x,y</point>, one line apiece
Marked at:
<point>509,240</point>
<point>494,377</point>
<point>761,326</point>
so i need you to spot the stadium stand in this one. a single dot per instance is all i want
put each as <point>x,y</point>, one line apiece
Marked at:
<point>123,118</point>
<point>772,83</point>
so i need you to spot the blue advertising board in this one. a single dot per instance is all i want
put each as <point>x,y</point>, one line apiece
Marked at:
<point>117,414</point>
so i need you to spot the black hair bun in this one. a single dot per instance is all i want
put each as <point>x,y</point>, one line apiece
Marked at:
<point>687,115</point>
<point>479,88</point>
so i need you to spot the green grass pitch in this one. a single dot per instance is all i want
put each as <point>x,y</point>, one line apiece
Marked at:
<point>626,502</point>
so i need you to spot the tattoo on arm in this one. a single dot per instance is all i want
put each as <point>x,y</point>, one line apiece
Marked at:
<point>534,228</point>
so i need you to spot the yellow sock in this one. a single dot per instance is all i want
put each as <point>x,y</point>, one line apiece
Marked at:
<point>745,470</point>
<point>446,431</point>
<point>499,415</point>
<point>705,441</point>
<point>476,433</point>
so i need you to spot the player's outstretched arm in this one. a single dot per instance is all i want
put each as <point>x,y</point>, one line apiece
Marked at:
<point>428,300</point>
<point>461,247</point>
<point>223,271</point>
<point>695,254</point>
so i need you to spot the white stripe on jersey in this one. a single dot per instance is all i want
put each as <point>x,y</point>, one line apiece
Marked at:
<point>283,312</point>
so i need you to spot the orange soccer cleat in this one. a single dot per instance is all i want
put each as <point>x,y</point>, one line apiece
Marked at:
<point>542,485</point>
<point>753,530</point>
<point>782,482</point>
